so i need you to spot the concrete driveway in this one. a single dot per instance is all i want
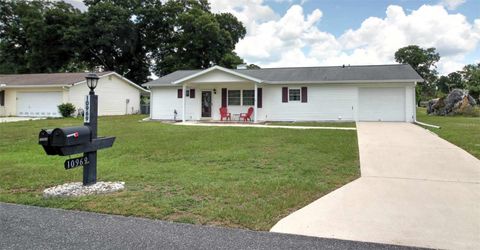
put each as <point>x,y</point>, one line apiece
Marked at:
<point>18,119</point>
<point>416,189</point>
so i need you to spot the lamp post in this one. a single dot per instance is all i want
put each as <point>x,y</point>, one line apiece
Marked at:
<point>90,120</point>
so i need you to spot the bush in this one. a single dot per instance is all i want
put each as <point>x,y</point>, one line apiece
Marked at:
<point>66,109</point>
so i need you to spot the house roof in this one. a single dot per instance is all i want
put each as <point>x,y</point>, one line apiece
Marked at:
<point>54,79</point>
<point>326,74</point>
<point>50,79</point>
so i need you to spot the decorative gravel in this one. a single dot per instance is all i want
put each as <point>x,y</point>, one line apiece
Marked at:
<point>77,189</point>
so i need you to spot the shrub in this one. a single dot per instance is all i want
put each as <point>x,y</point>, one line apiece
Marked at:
<point>66,109</point>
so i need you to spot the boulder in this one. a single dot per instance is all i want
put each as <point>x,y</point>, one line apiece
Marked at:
<point>456,102</point>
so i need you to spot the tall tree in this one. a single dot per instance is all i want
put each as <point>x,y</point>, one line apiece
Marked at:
<point>198,38</point>
<point>112,40</point>
<point>424,62</point>
<point>454,80</point>
<point>37,36</point>
<point>471,74</point>
<point>131,37</point>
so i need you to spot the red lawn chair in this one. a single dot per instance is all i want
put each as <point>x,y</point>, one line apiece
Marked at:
<point>224,114</point>
<point>247,116</point>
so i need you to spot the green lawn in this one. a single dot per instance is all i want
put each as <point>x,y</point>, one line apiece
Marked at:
<point>316,124</point>
<point>461,131</point>
<point>230,176</point>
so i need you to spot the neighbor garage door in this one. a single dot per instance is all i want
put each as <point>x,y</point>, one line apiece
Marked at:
<point>38,103</point>
<point>381,104</point>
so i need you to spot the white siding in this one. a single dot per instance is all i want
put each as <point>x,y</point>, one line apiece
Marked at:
<point>112,94</point>
<point>326,103</point>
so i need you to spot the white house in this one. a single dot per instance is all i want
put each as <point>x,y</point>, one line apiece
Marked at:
<point>339,93</point>
<point>38,95</point>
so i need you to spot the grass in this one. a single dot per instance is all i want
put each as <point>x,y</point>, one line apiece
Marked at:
<point>229,176</point>
<point>316,124</point>
<point>459,130</point>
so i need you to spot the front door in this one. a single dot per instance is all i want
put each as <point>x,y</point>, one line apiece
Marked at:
<point>206,103</point>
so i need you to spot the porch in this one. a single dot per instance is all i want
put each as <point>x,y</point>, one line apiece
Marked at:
<point>204,94</point>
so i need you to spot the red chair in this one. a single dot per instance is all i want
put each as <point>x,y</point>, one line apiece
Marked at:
<point>224,114</point>
<point>247,116</point>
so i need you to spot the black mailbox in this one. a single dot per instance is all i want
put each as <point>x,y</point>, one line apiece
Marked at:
<point>70,136</point>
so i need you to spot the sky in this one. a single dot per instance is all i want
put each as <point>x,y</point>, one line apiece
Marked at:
<point>284,33</point>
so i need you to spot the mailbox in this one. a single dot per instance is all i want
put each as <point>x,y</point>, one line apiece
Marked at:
<point>70,136</point>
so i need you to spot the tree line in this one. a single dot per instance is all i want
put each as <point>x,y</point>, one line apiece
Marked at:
<point>424,62</point>
<point>132,37</point>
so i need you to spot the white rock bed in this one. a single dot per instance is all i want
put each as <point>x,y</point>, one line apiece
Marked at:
<point>74,189</point>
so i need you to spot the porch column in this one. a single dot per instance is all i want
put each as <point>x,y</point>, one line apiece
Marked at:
<point>184,92</point>
<point>255,109</point>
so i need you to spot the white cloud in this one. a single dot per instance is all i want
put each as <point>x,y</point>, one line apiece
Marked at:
<point>452,4</point>
<point>76,3</point>
<point>295,39</point>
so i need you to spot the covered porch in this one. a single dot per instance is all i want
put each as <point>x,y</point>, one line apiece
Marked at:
<point>203,94</point>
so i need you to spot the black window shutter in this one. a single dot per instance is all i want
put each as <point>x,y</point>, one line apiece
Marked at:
<point>224,97</point>
<point>179,93</point>
<point>284,94</point>
<point>192,93</point>
<point>259,97</point>
<point>304,94</point>
<point>2,97</point>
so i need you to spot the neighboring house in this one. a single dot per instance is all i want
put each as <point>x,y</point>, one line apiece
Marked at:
<point>38,95</point>
<point>346,93</point>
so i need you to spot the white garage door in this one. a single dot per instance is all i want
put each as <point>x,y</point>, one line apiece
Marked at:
<point>381,104</point>
<point>38,103</point>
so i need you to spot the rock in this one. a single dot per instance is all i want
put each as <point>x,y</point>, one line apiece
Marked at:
<point>452,99</point>
<point>77,189</point>
<point>430,105</point>
<point>456,102</point>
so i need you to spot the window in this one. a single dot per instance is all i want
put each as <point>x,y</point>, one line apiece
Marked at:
<point>2,98</point>
<point>247,98</point>
<point>234,97</point>
<point>294,94</point>
<point>187,94</point>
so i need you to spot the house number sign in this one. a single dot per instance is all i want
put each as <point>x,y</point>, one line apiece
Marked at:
<point>76,162</point>
<point>86,117</point>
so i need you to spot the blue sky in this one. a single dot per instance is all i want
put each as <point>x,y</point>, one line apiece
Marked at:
<point>282,33</point>
<point>340,15</point>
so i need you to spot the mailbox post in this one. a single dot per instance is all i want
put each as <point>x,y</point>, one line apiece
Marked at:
<point>77,140</point>
<point>90,120</point>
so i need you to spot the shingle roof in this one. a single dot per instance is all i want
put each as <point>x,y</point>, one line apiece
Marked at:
<point>363,73</point>
<point>60,79</point>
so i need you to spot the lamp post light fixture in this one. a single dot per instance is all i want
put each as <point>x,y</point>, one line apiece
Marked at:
<point>92,81</point>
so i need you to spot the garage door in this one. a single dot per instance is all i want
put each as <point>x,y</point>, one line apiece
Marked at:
<point>38,103</point>
<point>381,104</point>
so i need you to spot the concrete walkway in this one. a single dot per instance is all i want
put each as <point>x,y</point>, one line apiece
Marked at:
<point>250,125</point>
<point>416,189</point>
<point>19,119</point>
<point>26,227</point>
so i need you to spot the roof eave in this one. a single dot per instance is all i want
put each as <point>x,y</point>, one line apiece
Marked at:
<point>216,67</point>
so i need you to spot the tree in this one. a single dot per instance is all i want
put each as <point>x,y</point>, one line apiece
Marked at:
<point>471,74</point>
<point>198,38</point>
<point>36,36</point>
<point>112,41</point>
<point>424,62</point>
<point>454,80</point>
<point>131,37</point>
